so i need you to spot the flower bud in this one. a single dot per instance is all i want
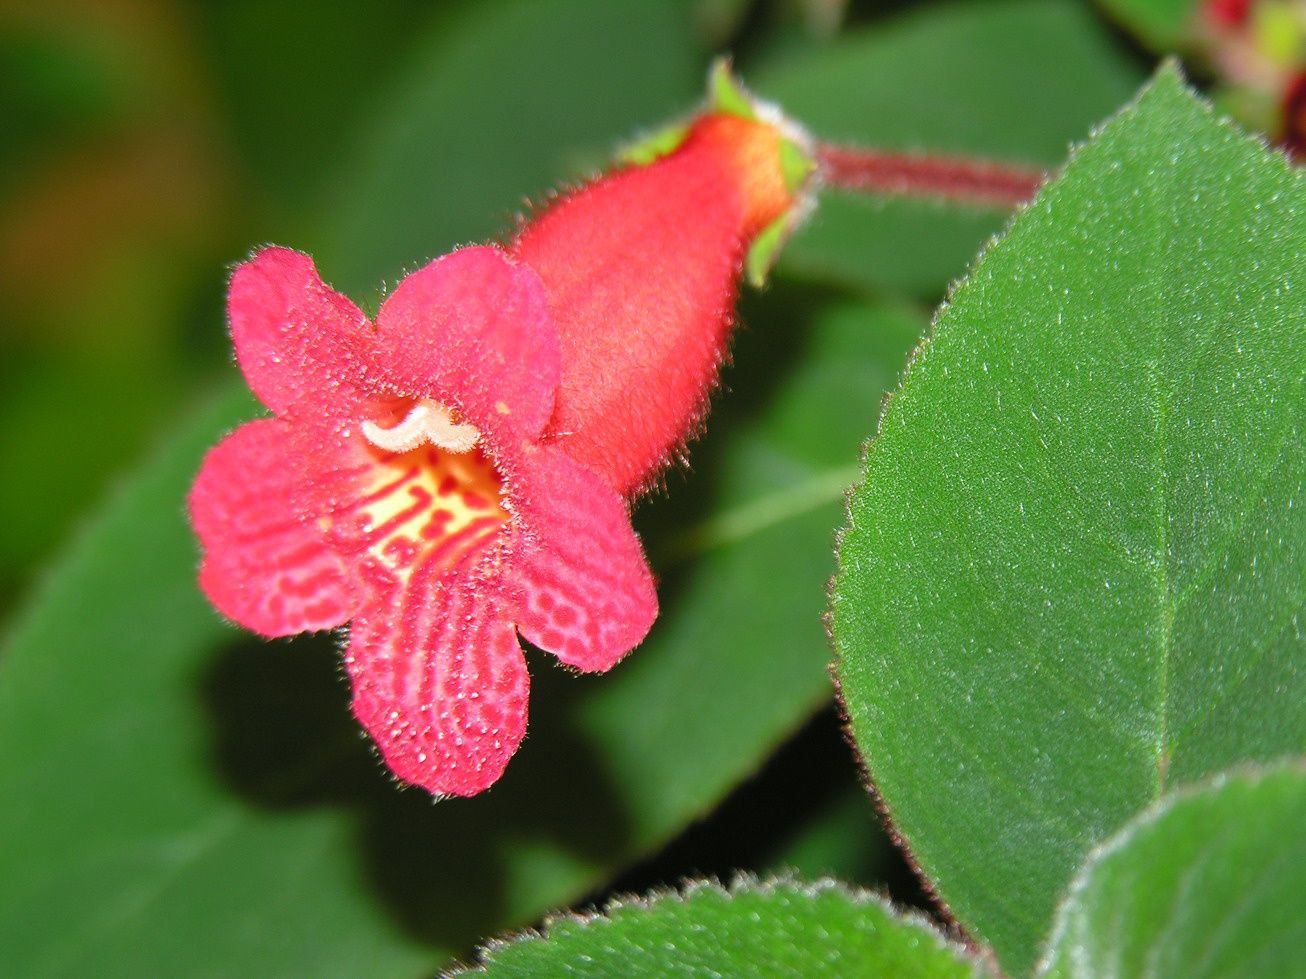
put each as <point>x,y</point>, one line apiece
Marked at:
<point>641,269</point>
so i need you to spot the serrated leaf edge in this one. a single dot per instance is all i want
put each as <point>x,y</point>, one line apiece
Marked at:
<point>742,883</point>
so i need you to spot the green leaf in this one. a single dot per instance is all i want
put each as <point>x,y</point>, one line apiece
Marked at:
<point>1164,25</point>
<point>296,76</point>
<point>1074,574</point>
<point>778,929</point>
<point>196,802</point>
<point>1011,80</point>
<point>1206,883</point>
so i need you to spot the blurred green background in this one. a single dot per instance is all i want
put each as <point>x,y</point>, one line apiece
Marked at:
<point>149,145</point>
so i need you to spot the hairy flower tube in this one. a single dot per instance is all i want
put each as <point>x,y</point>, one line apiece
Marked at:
<point>403,485</point>
<point>642,268</point>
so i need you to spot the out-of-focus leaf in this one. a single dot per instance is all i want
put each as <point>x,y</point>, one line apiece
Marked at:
<point>298,78</point>
<point>125,853</point>
<point>1164,25</point>
<point>1074,574</point>
<point>781,929</point>
<point>742,552</point>
<point>1008,79</point>
<point>50,86</point>
<point>114,199</point>
<point>95,413</point>
<point>464,139</point>
<point>1206,883</point>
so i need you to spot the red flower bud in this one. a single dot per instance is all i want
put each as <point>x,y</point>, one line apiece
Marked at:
<point>1293,116</point>
<point>1228,13</point>
<point>641,270</point>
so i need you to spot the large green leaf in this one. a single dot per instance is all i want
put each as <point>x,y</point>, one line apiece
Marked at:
<point>780,929</point>
<point>1011,79</point>
<point>1075,571</point>
<point>183,800</point>
<point>1207,883</point>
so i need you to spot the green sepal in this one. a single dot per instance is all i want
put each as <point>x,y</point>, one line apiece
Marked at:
<point>726,93</point>
<point>765,249</point>
<point>796,165</point>
<point>653,146</point>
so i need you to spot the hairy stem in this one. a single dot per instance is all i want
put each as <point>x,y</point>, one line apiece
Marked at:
<point>920,175</point>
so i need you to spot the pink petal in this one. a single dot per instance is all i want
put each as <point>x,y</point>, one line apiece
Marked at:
<point>296,338</point>
<point>585,590</point>
<point>267,562</point>
<point>439,680</point>
<point>474,328</point>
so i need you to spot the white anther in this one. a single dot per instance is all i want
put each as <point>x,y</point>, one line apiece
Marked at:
<point>427,421</point>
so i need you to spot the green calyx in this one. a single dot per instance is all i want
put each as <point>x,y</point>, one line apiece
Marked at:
<point>765,250</point>
<point>653,146</point>
<point>796,164</point>
<point>727,94</point>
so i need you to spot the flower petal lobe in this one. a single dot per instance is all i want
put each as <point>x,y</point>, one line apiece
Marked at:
<point>585,592</point>
<point>267,564</point>
<point>296,338</point>
<point>475,324</point>
<point>439,680</point>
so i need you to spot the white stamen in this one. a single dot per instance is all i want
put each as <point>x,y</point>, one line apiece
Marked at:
<point>427,421</point>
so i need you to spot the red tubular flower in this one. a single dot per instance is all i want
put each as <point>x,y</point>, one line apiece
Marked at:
<point>452,476</point>
<point>642,268</point>
<point>403,483</point>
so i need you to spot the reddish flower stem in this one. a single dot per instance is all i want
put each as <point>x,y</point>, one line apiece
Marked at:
<point>918,175</point>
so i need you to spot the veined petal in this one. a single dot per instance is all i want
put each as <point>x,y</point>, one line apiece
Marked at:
<point>267,562</point>
<point>585,592</point>
<point>439,679</point>
<point>296,338</point>
<point>474,327</point>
